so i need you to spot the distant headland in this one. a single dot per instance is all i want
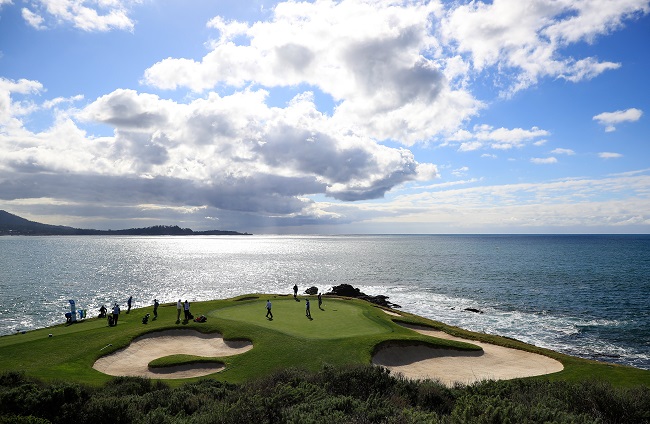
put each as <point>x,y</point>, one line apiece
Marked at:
<point>13,225</point>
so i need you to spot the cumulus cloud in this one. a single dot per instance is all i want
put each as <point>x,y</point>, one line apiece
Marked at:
<point>11,109</point>
<point>469,146</point>
<point>49,104</point>
<point>231,154</point>
<point>393,70</point>
<point>400,70</point>
<point>87,15</point>
<point>591,19</point>
<point>368,56</point>
<point>526,39</point>
<point>611,119</point>
<point>127,109</point>
<point>486,136</point>
<point>32,19</point>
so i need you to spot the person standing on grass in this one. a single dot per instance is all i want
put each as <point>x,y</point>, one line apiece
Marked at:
<point>128,304</point>
<point>269,314</point>
<point>155,308</point>
<point>179,306</point>
<point>295,290</point>
<point>116,313</point>
<point>320,300</point>
<point>307,311</point>
<point>187,310</point>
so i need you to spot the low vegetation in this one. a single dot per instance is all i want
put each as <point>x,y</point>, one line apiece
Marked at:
<point>350,394</point>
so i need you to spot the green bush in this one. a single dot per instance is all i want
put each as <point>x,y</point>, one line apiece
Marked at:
<point>358,394</point>
<point>434,396</point>
<point>15,419</point>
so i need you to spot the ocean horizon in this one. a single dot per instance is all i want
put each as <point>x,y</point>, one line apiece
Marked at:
<point>583,295</point>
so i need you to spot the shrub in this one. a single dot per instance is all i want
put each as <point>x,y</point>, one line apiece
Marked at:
<point>359,394</point>
<point>360,381</point>
<point>434,396</point>
<point>16,419</point>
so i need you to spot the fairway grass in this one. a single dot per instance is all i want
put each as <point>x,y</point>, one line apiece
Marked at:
<point>336,319</point>
<point>344,332</point>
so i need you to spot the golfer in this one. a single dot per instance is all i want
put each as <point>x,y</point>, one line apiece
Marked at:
<point>116,313</point>
<point>269,314</point>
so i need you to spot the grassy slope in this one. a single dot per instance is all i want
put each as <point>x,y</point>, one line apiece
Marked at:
<point>344,332</point>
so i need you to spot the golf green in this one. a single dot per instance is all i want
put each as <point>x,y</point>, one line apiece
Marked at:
<point>336,319</point>
<point>343,332</point>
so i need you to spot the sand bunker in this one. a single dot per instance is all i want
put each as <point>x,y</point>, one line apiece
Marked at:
<point>134,359</point>
<point>453,366</point>
<point>415,362</point>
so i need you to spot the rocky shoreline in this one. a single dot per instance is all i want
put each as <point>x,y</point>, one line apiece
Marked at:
<point>346,290</point>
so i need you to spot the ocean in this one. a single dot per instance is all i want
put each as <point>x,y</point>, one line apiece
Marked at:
<point>584,295</point>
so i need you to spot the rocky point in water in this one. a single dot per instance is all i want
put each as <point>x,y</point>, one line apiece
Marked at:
<point>312,290</point>
<point>346,290</point>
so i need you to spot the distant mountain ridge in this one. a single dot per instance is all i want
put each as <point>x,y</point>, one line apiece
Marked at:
<point>11,224</point>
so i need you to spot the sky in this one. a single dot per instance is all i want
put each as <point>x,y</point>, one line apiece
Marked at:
<point>327,117</point>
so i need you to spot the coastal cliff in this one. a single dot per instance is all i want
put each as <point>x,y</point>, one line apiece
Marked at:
<point>13,225</point>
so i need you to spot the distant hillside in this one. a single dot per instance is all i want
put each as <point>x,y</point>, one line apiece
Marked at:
<point>11,224</point>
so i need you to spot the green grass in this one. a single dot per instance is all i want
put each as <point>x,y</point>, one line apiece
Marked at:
<point>337,319</point>
<point>345,332</point>
<point>176,360</point>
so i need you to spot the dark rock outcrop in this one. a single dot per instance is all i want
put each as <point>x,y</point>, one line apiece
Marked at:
<point>313,290</point>
<point>346,290</point>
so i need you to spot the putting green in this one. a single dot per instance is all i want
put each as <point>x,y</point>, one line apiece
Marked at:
<point>337,318</point>
<point>345,332</point>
